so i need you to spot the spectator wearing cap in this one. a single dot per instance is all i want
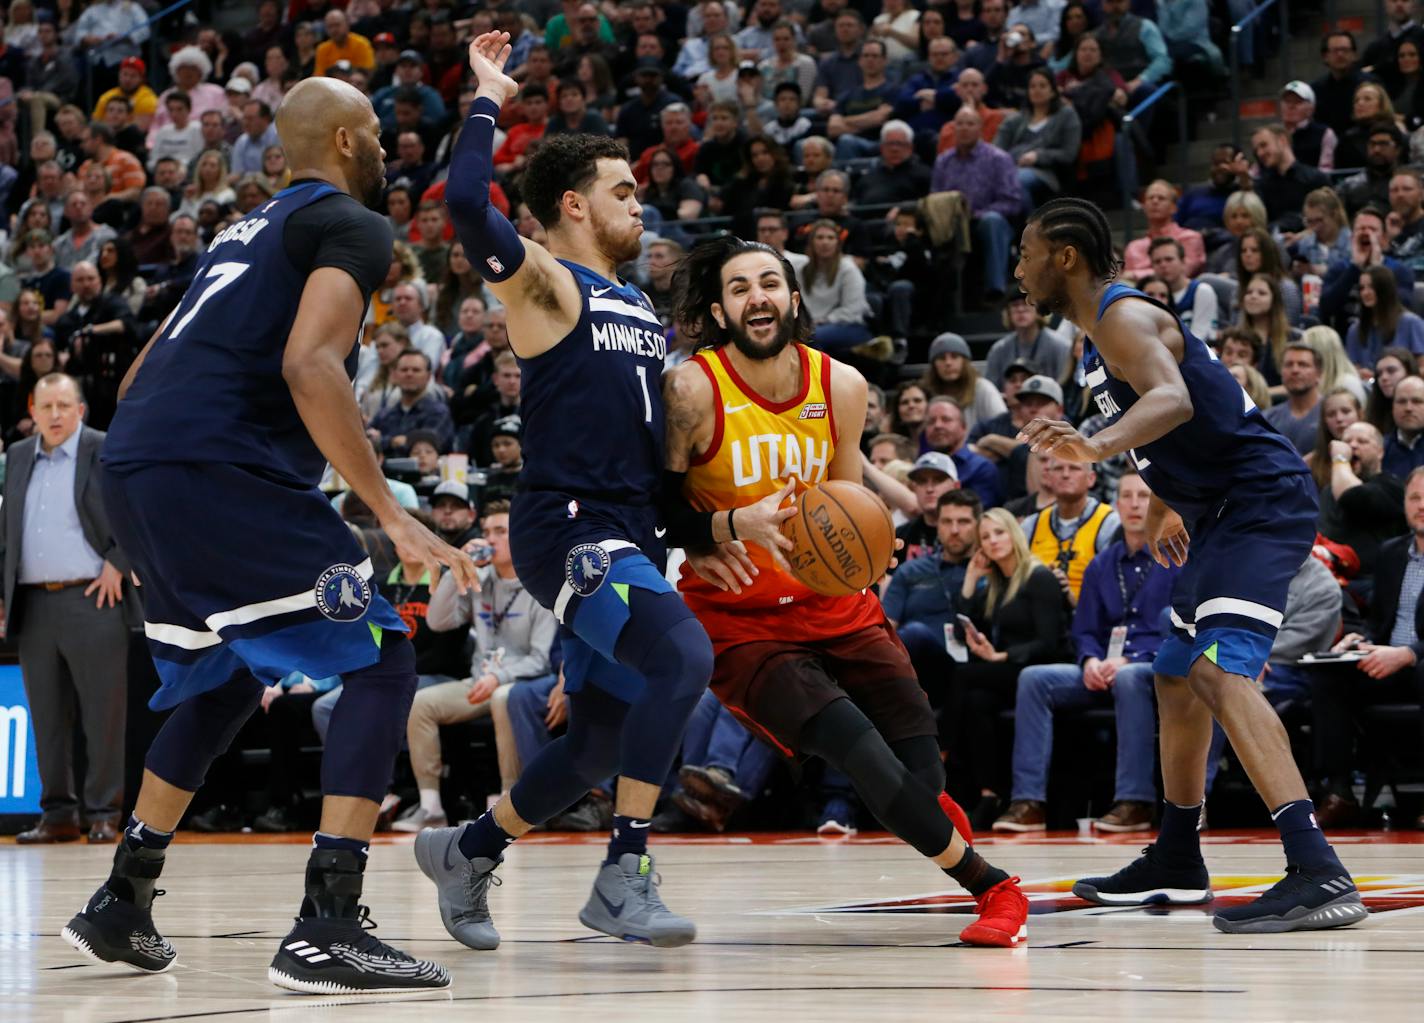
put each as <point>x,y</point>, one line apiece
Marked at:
<point>258,133</point>
<point>387,50</point>
<point>419,408</point>
<point>1384,151</point>
<point>1312,142</point>
<point>932,476</point>
<point>1335,90</point>
<point>409,69</point>
<point>640,122</point>
<point>238,91</point>
<point>503,473</point>
<point>132,87</point>
<point>110,31</point>
<point>454,513</point>
<point>1159,205</point>
<point>342,44</point>
<point>1029,338</point>
<point>989,181</point>
<point>189,68</point>
<point>997,439</point>
<point>752,102</point>
<point>1067,535</point>
<point>506,388</point>
<point>945,431</point>
<point>951,374</point>
<point>1283,182</point>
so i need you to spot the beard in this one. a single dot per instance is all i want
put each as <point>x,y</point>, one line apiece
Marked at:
<point>785,330</point>
<point>370,177</point>
<point>620,248</point>
<point>1054,303</point>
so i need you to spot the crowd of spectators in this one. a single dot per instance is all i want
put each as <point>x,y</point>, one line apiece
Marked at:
<point>825,129</point>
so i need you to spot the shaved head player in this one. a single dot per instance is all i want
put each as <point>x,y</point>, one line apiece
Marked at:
<point>224,427</point>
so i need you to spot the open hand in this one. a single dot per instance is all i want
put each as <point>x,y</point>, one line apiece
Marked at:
<point>1167,537</point>
<point>726,566</point>
<point>489,52</point>
<point>1059,439</point>
<point>483,689</point>
<point>415,543</point>
<point>760,523</point>
<point>109,585</point>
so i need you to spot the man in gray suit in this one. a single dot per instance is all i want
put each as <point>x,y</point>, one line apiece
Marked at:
<point>64,600</point>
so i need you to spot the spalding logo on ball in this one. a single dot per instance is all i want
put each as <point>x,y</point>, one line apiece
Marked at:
<point>844,538</point>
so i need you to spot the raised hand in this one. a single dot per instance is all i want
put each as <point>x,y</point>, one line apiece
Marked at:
<point>489,52</point>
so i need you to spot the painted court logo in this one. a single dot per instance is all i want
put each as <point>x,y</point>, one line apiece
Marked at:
<point>586,567</point>
<point>342,595</point>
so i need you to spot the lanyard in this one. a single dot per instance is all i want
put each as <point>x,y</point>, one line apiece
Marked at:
<point>1122,588</point>
<point>497,618</point>
<point>1066,554</point>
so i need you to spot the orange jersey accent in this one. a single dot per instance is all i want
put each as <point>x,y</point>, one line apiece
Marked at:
<point>757,447</point>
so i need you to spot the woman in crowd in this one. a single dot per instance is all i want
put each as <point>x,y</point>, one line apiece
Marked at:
<point>1264,314</point>
<point>1257,253</point>
<point>41,360</point>
<point>908,418</point>
<point>1074,22</point>
<point>1383,321</point>
<point>1096,91</point>
<point>599,91</point>
<point>951,373</point>
<point>1371,103</point>
<point>460,282</point>
<point>35,216</point>
<point>1326,240</point>
<point>1251,381</point>
<point>118,268</point>
<point>467,344</point>
<point>209,183</point>
<point>1339,409</point>
<point>404,269</point>
<point>673,193</point>
<point>1401,77</point>
<point>833,289</point>
<point>1243,212</point>
<point>275,171</point>
<point>1155,287</point>
<point>961,22</point>
<point>898,27</point>
<point>766,181</point>
<point>932,27</point>
<point>719,82</point>
<point>1018,618</point>
<point>28,317</point>
<point>1392,366</point>
<point>279,78</point>
<point>1043,138</point>
<point>252,191</point>
<point>389,342</point>
<point>1336,368</point>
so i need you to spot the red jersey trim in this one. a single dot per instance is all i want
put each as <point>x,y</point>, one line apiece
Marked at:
<point>717,423</point>
<point>774,407</point>
<point>826,393</point>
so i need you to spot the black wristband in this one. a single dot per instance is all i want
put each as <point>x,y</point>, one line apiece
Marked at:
<point>731,528</point>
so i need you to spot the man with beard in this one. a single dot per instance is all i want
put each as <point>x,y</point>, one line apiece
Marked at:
<point>254,369</point>
<point>586,538</point>
<point>168,284</point>
<point>748,421</point>
<point>453,513</point>
<point>1227,483</point>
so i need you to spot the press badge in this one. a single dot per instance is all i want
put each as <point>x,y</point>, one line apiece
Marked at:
<point>958,652</point>
<point>1117,641</point>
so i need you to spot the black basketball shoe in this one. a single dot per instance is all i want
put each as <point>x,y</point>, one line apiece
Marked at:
<point>1303,900</point>
<point>1147,881</point>
<point>335,956</point>
<point>113,930</point>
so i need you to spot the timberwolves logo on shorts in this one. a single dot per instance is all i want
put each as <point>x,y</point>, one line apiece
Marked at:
<point>586,567</point>
<point>342,595</point>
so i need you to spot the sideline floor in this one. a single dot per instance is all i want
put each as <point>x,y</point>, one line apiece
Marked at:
<point>790,926</point>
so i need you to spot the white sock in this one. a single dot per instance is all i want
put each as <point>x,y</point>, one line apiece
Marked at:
<point>430,802</point>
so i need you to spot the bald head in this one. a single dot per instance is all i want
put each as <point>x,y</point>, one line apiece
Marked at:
<point>329,130</point>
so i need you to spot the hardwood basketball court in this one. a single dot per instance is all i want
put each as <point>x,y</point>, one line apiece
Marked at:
<point>791,927</point>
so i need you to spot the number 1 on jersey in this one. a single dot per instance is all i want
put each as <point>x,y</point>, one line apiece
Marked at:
<point>220,276</point>
<point>647,401</point>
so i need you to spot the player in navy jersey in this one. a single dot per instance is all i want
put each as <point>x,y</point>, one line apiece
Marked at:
<point>1231,492</point>
<point>224,426</point>
<point>584,528</point>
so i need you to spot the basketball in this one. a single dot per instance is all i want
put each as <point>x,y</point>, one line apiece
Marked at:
<point>844,538</point>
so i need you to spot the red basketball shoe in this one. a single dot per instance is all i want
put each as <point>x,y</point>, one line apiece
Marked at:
<point>956,816</point>
<point>1003,917</point>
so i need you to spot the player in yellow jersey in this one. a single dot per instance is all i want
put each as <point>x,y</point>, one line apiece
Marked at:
<point>810,674</point>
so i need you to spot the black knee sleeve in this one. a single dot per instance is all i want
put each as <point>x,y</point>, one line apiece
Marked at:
<point>200,730</point>
<point>368,723</point>
<point>920,755</point>
<point>575,762</point>
<point>845,738</point>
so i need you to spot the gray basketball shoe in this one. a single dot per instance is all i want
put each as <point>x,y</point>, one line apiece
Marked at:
<point>463,886</point>
<point>625,903</point>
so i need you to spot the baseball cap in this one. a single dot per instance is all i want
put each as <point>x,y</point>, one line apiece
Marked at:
<point>748,67</point>
<point>135,64</point>
<point>341,67</point>
<point>413,56</point>
<point>1301,90</point>
<point>1020,366</point>
<point>451,488</point>
<point>937,461</point>
<point>648,64</point>
<point>1040,384</point>
<point>238,84</point>
<point>509,426</point>
<point>949,343</point>
<point>383,39</point>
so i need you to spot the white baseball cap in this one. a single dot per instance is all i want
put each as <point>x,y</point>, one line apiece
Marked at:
<point>1300,90</point>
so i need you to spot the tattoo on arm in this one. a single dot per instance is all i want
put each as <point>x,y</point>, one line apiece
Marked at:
<point>683,419</point>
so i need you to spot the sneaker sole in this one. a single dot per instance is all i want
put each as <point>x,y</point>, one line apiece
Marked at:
<point>1151,897</point>
<point>834,828</point>
<point>327,987</point>
<point>1122,828</point>
<point>1016,827</point>
<point>657,941</point>
<point>1339,912</point>
<point>992,937</point>
<point>425,860</point>
<point>82,945</point>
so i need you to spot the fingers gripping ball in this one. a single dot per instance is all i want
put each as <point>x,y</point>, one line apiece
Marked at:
<point>844,538</point>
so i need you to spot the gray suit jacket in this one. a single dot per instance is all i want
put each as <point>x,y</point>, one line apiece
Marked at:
<point>93,519</point>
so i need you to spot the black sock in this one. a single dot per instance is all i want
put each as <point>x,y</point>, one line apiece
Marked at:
<point>138,835</point>
<point>975,873</point>
<point>1304,842</point>
<point>630,835</point>
<point>484,838</point>
<point>1178,841</point>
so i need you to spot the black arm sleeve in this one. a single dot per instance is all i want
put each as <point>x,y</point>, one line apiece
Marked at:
<point>338,231</point>
<point>686,527</point>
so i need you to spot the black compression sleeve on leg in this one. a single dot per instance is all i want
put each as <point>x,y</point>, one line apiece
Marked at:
<point>845,738</point>
<point>920,755</point>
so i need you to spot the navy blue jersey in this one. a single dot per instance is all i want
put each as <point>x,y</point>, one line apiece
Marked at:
<point>592,405</point>
<point>1225,443</point>
<point>211,388</point>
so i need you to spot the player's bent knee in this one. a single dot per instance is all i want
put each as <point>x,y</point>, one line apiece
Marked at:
<point>200,730</point>
<point>369,721</point>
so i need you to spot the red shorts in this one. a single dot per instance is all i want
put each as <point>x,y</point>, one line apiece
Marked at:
<point>774,688</point>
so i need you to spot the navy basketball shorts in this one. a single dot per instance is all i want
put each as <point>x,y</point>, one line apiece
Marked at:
<point>578,558</point>
<point>242,572</point>
<point>1230,598</point>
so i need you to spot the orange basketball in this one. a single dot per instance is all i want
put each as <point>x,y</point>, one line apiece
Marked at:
<point>844,538</point>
